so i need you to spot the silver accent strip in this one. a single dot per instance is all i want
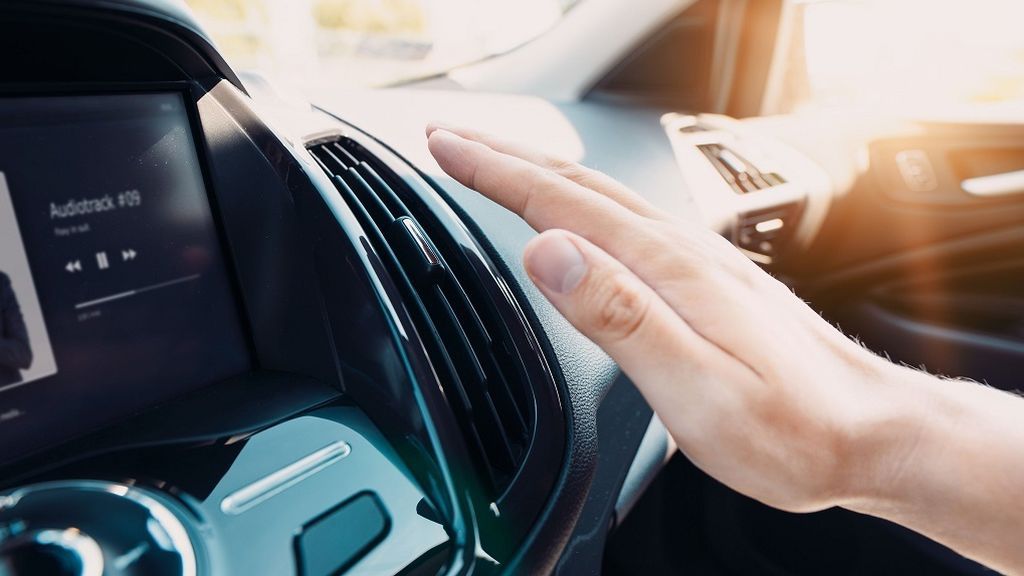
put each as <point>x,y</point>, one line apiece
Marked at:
<point>421,242</point>
<point>996,185</point>
<point>769,225</point>
<point>276,482</point>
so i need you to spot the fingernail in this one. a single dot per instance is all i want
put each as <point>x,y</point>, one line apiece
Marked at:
<point>435,125</point>
<point>556,262</point>
<point>447,150</point>
<point>442,134</point>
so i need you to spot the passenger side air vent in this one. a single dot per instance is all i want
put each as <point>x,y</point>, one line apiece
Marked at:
<point>762,233</point>
<point>742,176</point>
<point>470,347</point>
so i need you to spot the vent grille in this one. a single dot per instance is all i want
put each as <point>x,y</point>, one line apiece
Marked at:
<point>763,233</point>
<point>742,176</point>
<point>470,348</point>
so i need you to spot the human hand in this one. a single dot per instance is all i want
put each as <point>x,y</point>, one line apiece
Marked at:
<point>756,389</point>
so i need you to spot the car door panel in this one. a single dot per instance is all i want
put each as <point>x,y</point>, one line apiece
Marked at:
<point>918,266</point>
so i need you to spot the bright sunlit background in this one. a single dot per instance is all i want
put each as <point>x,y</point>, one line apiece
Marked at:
<point>934,57</point>
<point>321,45</point>
<point>916,57</point>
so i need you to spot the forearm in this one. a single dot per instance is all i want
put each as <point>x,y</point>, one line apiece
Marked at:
<point>951,468</point>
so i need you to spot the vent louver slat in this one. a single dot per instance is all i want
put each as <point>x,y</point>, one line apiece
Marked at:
<point>741,175</point>
<point>471,351</point>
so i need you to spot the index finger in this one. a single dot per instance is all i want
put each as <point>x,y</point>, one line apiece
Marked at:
<point>586,177</point>
<point>539,196</point>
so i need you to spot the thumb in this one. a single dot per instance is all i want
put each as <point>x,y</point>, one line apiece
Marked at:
<point>610,305</point>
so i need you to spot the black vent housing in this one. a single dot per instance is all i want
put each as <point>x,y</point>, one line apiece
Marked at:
<point>471,349</point>
<point>763,233</point>
<point>741,175</point>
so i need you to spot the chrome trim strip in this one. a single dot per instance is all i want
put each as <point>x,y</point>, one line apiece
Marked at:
<point>276,482</point>
<point>1005,184</point>
<point>421,242</point>
<point>769,225</point>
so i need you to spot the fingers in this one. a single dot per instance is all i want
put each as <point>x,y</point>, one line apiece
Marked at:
<point>539,196</point>
<point>610,305</point>
<point>586,177</point>
<point>546,200</point>
<point>703,281</point>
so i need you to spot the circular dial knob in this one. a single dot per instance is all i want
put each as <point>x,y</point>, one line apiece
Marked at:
<point>92,528</point>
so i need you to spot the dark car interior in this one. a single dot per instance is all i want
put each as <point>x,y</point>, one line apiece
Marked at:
<point>272,337</point>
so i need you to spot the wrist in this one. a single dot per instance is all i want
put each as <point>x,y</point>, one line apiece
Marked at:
<point>943,459</point>
<point>906,419</point>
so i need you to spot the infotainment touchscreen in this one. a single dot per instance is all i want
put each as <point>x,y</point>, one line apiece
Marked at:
<point>114,293</point>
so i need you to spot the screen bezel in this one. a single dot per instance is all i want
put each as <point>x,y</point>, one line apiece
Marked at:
<point>190,93</point>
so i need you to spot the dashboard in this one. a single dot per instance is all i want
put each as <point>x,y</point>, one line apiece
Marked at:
<point>244,335</point>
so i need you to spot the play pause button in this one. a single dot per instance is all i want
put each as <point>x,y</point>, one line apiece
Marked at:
<point>128,254</point>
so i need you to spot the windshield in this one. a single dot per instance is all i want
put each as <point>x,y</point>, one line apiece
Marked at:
<point>948,57</point>
<point>317,45</point>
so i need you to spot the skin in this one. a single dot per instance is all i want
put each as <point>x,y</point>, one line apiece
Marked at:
<point>757,389</point>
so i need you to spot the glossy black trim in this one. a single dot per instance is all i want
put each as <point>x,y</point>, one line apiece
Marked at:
<point>533,484</point>
<point>437,426</point>
<point>380,380</point>
<point>237,406</point>
<point>163,27</point>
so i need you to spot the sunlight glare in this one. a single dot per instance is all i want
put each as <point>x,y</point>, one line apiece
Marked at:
<point>924,56</point>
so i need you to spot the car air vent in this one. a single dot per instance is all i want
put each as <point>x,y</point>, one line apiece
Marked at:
<point>742,176</point>
<point>470,348</point>
<point>762,233</point>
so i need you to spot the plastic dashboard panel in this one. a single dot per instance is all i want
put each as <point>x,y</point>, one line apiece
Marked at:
<point>273,220</point>
<point>250,161</point>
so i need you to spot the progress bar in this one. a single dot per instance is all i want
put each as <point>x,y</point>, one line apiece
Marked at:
<point>136,292</point>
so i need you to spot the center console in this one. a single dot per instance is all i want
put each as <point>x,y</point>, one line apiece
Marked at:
<point>170,408</point>
<point>212,361</point>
